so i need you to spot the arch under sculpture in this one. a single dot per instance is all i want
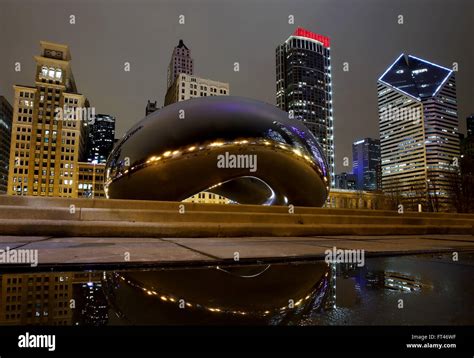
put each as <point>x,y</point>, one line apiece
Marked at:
<point>243,149</point>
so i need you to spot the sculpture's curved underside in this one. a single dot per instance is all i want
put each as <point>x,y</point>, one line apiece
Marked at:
<point>245,150</point>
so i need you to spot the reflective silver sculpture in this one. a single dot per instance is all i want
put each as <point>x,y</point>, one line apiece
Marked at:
<point>248,151</point>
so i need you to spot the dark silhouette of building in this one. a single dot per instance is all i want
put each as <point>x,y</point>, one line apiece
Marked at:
<point>467,143</point>
<point>345,181</point>
<point>470,125</point>
<point>150,107</point>
<point>6,115</point>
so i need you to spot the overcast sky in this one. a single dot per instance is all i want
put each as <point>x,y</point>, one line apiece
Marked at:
<point>364,33</point>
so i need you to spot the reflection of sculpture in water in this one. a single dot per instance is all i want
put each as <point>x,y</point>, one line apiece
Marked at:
<point>269,294</point>
<point>164,157</point>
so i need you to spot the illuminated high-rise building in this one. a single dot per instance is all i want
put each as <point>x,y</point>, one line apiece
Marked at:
<point>100,139</point>
<point>419,137</point>
<point>48,128</point>
<point>365,163</point>
<point>181,62</point>
<point>6,113</point>
<point>304,88</point>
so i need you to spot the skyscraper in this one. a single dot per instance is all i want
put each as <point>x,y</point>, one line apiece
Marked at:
<point>6,113</point>
<point>100,139</point>
<point>365,163</point>
<point>303,85</point>
<point>181,62</point>
<point>48,128</point>
<point>418,129</point>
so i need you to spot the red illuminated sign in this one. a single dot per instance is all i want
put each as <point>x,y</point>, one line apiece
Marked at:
<point>311,35</point>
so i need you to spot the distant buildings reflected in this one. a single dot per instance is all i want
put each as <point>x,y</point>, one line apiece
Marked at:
<point>271,294</point>
<point>51,299</point>
<point>301,293</point>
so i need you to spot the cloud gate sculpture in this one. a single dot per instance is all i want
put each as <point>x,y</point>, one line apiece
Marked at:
<point>248,151</point>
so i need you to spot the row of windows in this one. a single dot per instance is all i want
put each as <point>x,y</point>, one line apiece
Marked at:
<point>24,119</point>
<point>26,103</point>
<point>30,280</point>
<point>90,177</point>
<point>69,100</point>
<point>51,72</point>
<point>65,190</point>
<point>27,94</point>
<point>23,137</point>
<point>23,129</point>
<point>25,179</point>
<point>19,189</point>
<point>203,88</point>
<point>85,186</point>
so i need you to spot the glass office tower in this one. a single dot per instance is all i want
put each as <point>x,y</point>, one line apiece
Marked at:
<point>365,163</point>
<point>100,138</point>
<point>303,85</point>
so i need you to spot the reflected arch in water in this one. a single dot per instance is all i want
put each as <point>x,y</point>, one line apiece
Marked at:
<point>232,294</point>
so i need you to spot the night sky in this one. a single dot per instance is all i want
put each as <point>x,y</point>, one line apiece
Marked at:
<point>364,33</point>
